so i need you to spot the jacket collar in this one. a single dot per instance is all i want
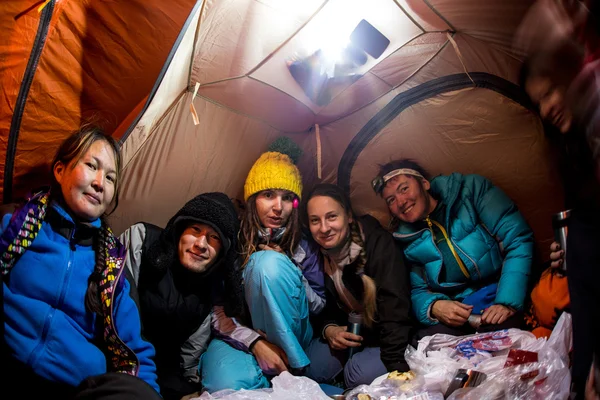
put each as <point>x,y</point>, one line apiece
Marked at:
<point>81,233</point>
<point>446,189</point>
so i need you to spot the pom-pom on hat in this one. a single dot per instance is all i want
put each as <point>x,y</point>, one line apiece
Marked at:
<point>276,169</point>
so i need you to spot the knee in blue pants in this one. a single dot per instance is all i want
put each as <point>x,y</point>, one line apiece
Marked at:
<point>277,303</point>
<point>271,267</point>
<point>224,367</point>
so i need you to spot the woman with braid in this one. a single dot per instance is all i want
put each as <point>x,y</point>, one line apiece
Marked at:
<point>364,275</point>
<point>70,325</point>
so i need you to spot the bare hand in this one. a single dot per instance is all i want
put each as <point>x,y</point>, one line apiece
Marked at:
<point>191,396</point>
<point>271,246</point>
<point>451,313</point>
<point>339,339</point>
<point>270,357</point>
<point>496,314</point>
<point>591,393</point>
<point>557,255</point>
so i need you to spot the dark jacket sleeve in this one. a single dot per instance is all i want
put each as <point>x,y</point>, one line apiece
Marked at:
<point>385,264</point>
<point>332,314</point>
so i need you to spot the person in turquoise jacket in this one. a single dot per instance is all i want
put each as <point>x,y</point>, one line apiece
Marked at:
<point>470,248</point>
<point>70,322</point>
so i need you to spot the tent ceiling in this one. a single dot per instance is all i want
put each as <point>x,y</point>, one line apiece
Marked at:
<point>255,39</point>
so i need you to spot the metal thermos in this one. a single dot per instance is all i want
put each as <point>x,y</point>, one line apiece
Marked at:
<point>560,222</point>
<point>354,323</point>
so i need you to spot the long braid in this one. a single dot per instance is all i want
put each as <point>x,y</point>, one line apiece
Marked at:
<point>92,296</point>
<point>369,287</point>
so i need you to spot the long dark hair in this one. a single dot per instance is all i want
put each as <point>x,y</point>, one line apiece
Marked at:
<point>74,148</point>
<point>250,225</point>
<point>69,153</point>
<point>369,288</point>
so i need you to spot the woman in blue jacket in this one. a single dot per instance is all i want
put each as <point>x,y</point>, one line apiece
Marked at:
<point>470,248</point>
<point>68,314</point>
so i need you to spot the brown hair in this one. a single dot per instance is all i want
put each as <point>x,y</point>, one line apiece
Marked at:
<point>69,153</point>
<point>74,148</point>
<point>250,225</point>
<point>560,63</point>
<point>369,288</point>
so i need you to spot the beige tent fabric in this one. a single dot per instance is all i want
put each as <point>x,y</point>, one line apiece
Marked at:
<point>238,52</point>
<point>459,131</point>
<point>173,86</point>
<point>181,160</point>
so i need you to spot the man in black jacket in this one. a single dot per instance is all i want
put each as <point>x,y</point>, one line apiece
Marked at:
<point>178,272</point>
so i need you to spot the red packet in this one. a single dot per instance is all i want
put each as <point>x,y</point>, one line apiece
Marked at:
<point>518,357</point>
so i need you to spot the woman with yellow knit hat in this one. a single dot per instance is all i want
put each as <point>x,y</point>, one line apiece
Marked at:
<point>283,282</point>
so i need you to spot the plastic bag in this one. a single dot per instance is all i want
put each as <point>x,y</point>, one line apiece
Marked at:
<point>438,357</point>
<point>548,378</point>
<point>285,386</point>
<point>390,389</point>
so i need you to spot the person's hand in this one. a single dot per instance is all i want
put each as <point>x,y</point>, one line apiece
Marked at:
<point>339,339</point>
<point>191,396</point>
<point>557,255</point>
<point>451,313</point>
<point>591,386</point>
<point>271,246</point>
<point>496,314</point>
<point>270,357</point>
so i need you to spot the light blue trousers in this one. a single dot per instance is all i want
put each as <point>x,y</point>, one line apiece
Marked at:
<point>278,306</point>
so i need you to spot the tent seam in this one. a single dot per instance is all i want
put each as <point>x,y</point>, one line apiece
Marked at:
<point>195,41</point>
<point>439,15</point>
<point>416,95</point>
<point>392,88</point>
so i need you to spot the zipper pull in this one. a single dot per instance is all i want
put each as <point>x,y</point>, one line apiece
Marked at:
<point>429,222</point>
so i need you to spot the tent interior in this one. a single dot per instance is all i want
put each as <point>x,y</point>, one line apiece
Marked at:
<point>196,90</point>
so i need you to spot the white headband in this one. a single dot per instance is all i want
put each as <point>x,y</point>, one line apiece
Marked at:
<point>401,171</point>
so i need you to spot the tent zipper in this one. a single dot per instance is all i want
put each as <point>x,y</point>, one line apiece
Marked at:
<point>15,125</point>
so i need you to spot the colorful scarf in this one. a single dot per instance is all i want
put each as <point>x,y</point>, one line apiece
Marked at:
<point>23,228</point>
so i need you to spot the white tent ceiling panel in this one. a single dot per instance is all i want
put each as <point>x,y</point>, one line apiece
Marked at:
<point>366,90</point>
<point>172,86</point>
<point>253,98</point>
<point>407,60</point>
<point>235,36</point>
<point>327,32</point>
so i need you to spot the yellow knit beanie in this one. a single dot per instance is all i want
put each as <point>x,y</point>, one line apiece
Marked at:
<point>275,170</point>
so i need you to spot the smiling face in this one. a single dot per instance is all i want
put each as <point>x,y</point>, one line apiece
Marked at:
<point>274,207</point>
<point>328,222</point>
<point>407,198</point>
<point>551,102</point>
<point>88,184</point>
<point>199,247</point>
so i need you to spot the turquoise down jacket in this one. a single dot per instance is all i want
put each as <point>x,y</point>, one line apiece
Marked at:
<point>488,232</point>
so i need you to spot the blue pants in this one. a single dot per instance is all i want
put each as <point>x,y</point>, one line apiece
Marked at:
<point>278,306</point>
<point>326,364</point>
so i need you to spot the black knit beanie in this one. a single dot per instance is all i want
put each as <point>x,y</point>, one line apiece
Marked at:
<point>214,209</point>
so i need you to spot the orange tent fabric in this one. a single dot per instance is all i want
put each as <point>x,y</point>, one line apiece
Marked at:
<point>97,61</point>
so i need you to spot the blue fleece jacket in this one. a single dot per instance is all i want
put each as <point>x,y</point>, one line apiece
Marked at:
<point>46,324</point>
<point>490,235</point>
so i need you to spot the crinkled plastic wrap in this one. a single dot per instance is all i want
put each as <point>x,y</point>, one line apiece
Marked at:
<point>390,389</point>
<point>547,378</point>
<point>285,387</point>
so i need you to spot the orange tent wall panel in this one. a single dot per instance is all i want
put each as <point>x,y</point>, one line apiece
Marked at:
<point>98,62</point>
